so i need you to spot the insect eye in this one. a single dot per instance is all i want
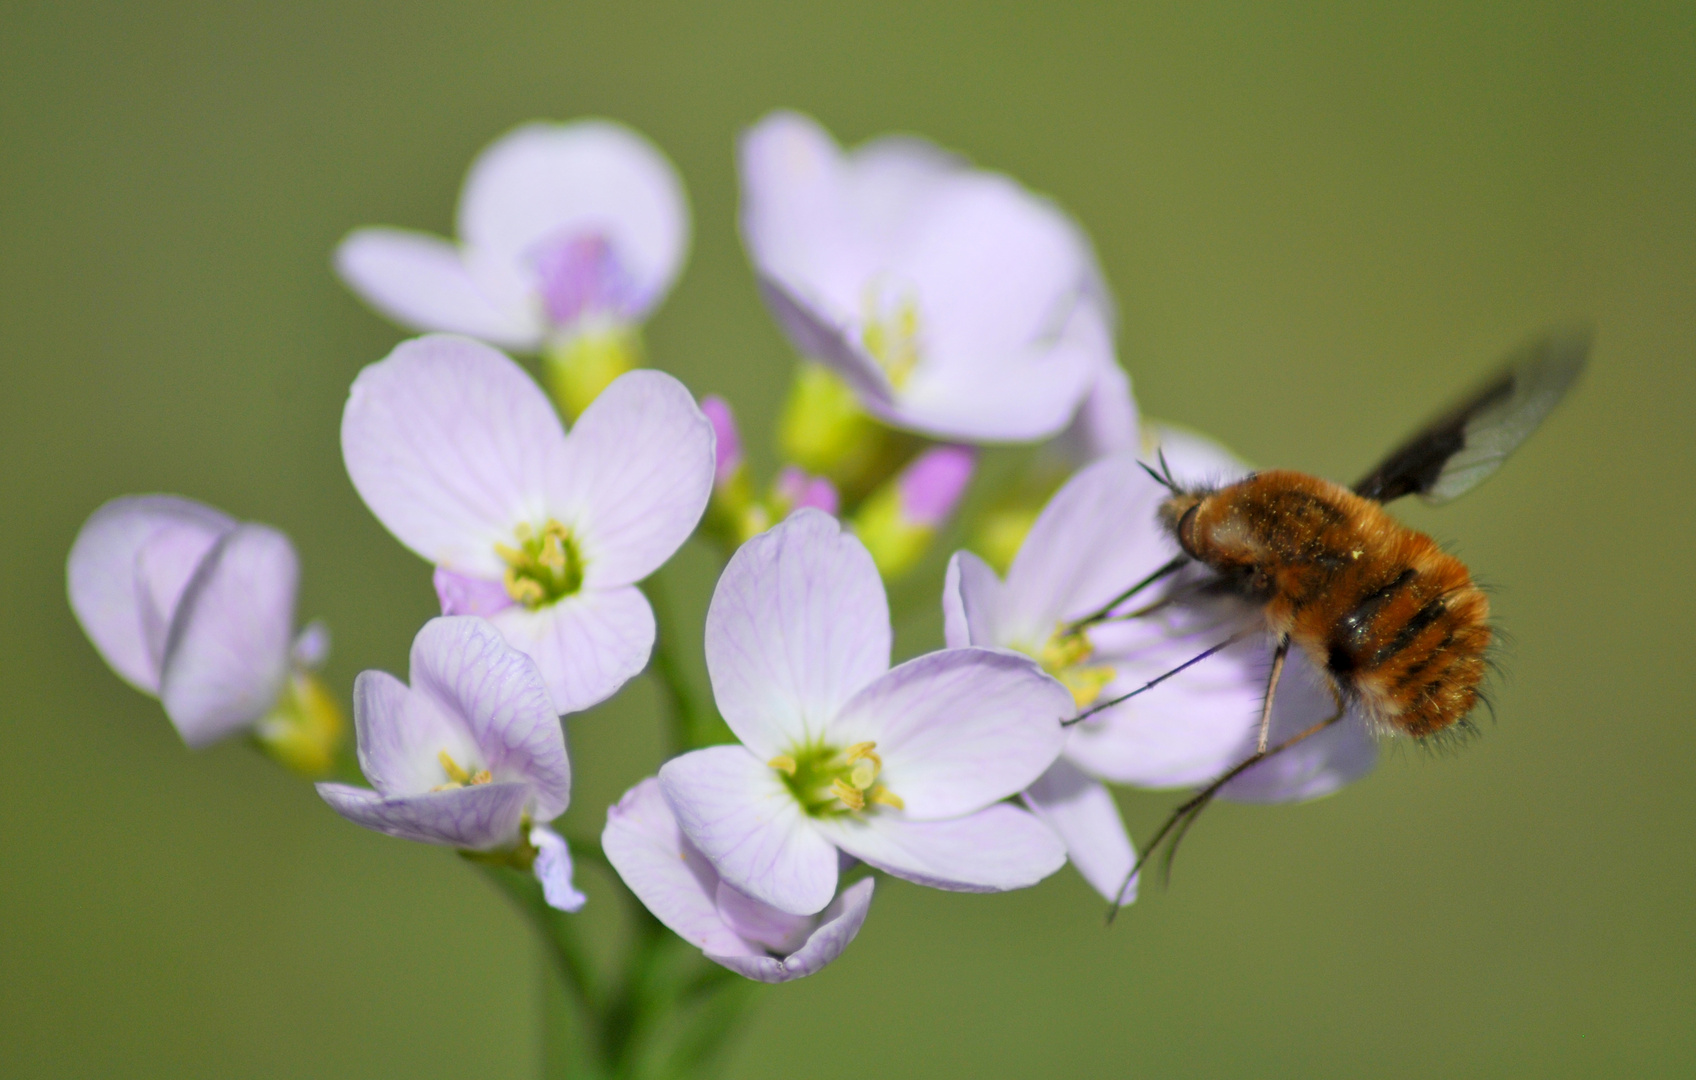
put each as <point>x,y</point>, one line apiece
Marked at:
<point>1186,531</point>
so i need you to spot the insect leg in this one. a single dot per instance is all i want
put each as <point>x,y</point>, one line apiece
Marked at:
<point>1152,683</point>
<point>1184,816</point>
<point>1278,655</point>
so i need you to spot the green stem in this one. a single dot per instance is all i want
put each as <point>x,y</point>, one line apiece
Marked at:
<point>684,711</point>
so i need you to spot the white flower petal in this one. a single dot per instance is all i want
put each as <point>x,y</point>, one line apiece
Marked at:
<point>462,664</point>
<point>971,602</point>
<point>776,931</point>
<point>798,623</point>
<point>1107,421</point>
<point>837,927</point>
<point>736,811</point>
<point>452,445</point>
<point>586,645</point>
<point>127,570</point>
<point>553,870</point>
<point>546,181</point>
<point>958,729</point>
<point>228,651</point>
<point>1096,537</point>
<point>478,817</point>
<point>636,476</point>
<point>421,282</point>
<point>830,337</point>
<point>671,878</point>
<point>1083,814</point>
<point>401,736</point>
<point>996,849</point>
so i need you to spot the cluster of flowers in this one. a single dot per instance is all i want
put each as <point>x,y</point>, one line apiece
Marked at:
<point>936,307</point>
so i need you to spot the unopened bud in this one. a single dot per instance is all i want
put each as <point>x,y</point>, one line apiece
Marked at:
<point>585,362</point>
<point>898,521</point>
<point>306,728</point>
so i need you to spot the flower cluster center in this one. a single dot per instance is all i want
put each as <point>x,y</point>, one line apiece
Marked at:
<point>544,567</point>
<point>458,776</point>
<point>827,781</point>
<point>893,337</point>
<point>1065,657</point>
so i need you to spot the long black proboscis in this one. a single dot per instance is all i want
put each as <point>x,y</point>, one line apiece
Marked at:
<point>1150,684</point>
<point>1106,609</point>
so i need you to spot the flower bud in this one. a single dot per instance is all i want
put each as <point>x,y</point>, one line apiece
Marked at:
<point>824,431</point>
<point>305,729</point>
<point>898,521</point>
<point>582,364</point>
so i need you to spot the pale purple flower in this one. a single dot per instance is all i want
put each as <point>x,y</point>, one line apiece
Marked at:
<point>904,769</point>
<point>193,607</point>
<point>462,458</point>
<point>470,755</point>
<point>563,228</point>
<point>955,303</point>
<point>727,439</point>
<point>1096,537</point>
<point>676,882</point>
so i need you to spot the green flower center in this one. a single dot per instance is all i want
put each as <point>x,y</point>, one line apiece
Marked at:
<point>830,782</point>
<point>545,566</point>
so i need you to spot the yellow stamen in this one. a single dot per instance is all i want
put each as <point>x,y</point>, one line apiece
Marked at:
<point>851,797</point>
<point>862,775</point>
<point>451,767</point>
<point>881,794</point>
<point>783,763</point>
<point>481,776</point>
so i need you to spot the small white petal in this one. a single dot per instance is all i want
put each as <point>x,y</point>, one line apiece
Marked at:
<point>553,870</point>
<point>127,570</point>
<point>421,282</point>
<point>958,729</point>
<point>636,476</point>
<point>452,446</point>
<point>227,654</point>
<point>1084,815</point>
<point>971,602</point>
<point>798,623</point>
<point>543,182</point>
<point>996,849</point>
<point>401,736</point>
<point>838,926</point>
<point>733,807</point>
<point>587,645</point>
<point>480,817</point>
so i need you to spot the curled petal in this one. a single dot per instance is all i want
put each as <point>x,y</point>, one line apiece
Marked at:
<point>228,651</point>
<point>798,623</point>
<point>587,645</point>
<point>477,818</point>
<point>462,665</point>
<point>837,927</point>
<point>1083,814</point>
<point>971,595</point>
<point>461,594</point>
<point>452,446</point>
<point>421,282</point>
<point>553,870</point>
<point>736,811</point>
<point>635,478</point>
<point>546,183</point>
<point>127,570</point>
<point>958,729</point>
<point>996,849</point>
<point>401,735</point>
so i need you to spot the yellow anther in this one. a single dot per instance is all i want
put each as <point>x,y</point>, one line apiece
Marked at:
<point>481,776</point>
<point>545,566</point>
<point>458,775</point>
<point>783,763</point>
<point>893,342</point>
<point>861,750</point>
<point>1063,657</point>
<point>552,554</point>
<point>510,555</point>
<point>862,775</point>
<point>881,794</point>
<point>851,797</point>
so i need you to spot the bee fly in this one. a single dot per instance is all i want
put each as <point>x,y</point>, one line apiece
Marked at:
<point>1394,624</point>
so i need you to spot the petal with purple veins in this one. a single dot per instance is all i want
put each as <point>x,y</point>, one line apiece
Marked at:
<point>587,645</point>
<point>971,603</point>
<point>480,817</point>
<point>996,849</point>
<point>837,927</point>
<point>734,808</point>
<point>798,623</point>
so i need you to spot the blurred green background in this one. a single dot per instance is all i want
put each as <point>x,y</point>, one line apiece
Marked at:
<point>1318,224</point>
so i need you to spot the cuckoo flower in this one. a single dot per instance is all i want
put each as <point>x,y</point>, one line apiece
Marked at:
<point>677,883</point>
<point>570,234</point>
<point>461,457</point>
<point>955,303</point>
<point>904,769</point>
<point>1096,537</point>
<point>470,755</point>
<point>197,609</point>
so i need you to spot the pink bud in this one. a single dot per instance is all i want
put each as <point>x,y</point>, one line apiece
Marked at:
<point>729,445</point>
<point>933,483</point>
<point>798,489</point>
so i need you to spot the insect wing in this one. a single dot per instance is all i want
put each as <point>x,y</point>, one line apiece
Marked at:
<point>1457,451</point>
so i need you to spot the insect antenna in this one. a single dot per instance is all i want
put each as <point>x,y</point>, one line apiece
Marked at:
<point>1184,816</point>
<point>1152,683</point>
<point>1163,475</point>
<point>1106,609</point>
